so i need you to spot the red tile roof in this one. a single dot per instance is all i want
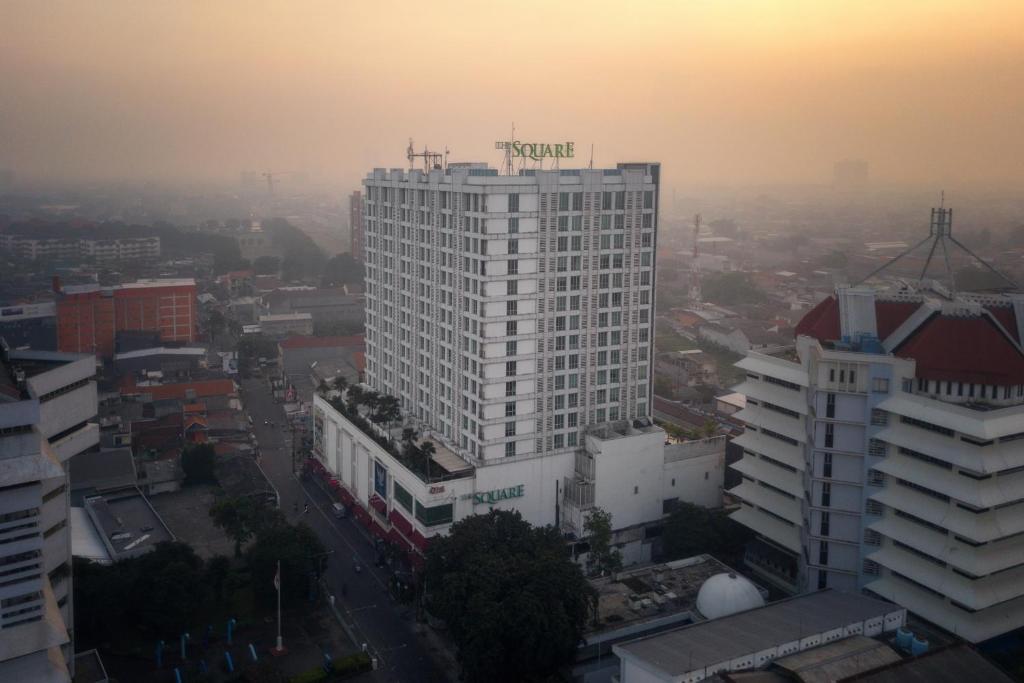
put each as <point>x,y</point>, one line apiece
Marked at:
<point>958,349</point>
<point>891,314</point>
<point>821,322</point>
<point>203,388</point>
<point>946,348</point>
<point>302,342</point>
<point>1006,318</point>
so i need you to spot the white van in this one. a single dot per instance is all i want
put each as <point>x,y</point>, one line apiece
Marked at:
<point>339,510</point>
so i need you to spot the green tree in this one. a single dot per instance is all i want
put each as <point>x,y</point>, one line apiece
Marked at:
<point>603,557</point>
<point>694,530</point>
<point>514,603</point>
<point>388,409</point>
<point>169,588</point>
<point>342,270</point>
<point>302,259</point>
<point>302,558</point>
<point>243,518</point>
<point>197,463</point>
<point>728,289</point>
<point>266,265</point>
<point>216,323</point>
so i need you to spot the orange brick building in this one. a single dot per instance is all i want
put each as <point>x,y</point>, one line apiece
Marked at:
<point>89,316</point>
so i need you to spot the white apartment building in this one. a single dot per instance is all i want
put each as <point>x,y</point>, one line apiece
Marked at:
<point>64,248</point>
<point>47,400</point>
<point>886,454</point>
<point>510,312</point>
<point>512,316</point>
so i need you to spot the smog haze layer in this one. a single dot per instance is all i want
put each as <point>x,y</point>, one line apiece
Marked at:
<point>743,92</point>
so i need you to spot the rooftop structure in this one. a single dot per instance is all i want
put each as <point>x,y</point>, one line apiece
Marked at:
<point>638,601</point>
<point>951,664</point>
<point>727,593</point>
<point>127,524</point>
<point>756,637</point>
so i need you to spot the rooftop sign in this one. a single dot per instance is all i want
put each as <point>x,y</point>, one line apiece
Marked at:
<point>537,150</point>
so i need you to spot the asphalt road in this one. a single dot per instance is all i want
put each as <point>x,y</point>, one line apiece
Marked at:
<point>376,619</point>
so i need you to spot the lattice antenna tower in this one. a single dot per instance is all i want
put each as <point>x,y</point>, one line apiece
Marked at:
<point>940,233</point>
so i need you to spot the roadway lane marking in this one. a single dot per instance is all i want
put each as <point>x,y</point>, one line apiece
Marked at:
<point>341,536</point>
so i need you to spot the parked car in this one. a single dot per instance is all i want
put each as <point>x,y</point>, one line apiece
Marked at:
<point>339,511</point>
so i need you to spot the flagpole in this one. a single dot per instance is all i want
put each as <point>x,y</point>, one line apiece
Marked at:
<point>280,644</point>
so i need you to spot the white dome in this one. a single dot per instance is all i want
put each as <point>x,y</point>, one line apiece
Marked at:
<point>725,594</point>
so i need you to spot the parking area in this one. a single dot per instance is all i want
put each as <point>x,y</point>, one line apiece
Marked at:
<point>187,515</point>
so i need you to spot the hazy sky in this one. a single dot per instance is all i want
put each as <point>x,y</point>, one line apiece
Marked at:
<point>720,91</point>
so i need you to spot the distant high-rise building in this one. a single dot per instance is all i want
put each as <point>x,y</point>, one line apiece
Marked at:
<point>47,408</point>
<point>850,174</point>
<point>355,225</point>
<point>89,316</point>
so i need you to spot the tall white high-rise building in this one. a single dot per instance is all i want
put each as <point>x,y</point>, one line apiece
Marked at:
<point>47,404</point>
<point>508,313</point>
<point>512,316</point>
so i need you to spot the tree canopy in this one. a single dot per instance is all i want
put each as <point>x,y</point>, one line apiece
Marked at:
<point>197,463</point>
<point>728,289</point>
<point>302,557</point>
<point>343,270</point>
<point>514,602</point>
<point>693,530</point>
<point>243,518</point>
<point>603,558</point>
<point>159,593</point>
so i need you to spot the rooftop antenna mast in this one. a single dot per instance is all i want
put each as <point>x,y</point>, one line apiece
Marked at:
<point>431,160</point>
<point>940,232</point>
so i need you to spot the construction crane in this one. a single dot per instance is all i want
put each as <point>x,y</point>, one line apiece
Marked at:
<point>695,263</point>
<point>431,160</point>
<point>270,175</point>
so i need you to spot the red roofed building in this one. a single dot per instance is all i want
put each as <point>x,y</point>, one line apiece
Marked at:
<point>182,391</point>
<point>887,455</point>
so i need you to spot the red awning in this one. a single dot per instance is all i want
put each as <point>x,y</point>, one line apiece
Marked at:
<point>400,522</point>
<point>379,504</point>
<point>399,540</point>
<point>334,484</point>
<point>361,514</point>
<point>346,497</point>
<point>378,530</point>
<point>418,540</point>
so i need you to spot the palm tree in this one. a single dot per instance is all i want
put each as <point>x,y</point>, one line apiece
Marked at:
<point>388,409</point>
<point>340,384</point>
<point>409,435</point>
<point>355,397</point>
<point>427,451</point>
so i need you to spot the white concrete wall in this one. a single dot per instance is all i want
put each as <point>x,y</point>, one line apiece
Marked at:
<point>698,480</point>
<point>628,477</point>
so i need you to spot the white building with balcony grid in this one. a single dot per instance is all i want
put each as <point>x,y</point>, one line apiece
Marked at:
<point>512,316</point>
<point>509,312</point>
<point>888,455</point>
<point>47,408</point>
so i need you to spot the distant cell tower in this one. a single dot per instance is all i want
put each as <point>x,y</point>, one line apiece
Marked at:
<point>695,263</point>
